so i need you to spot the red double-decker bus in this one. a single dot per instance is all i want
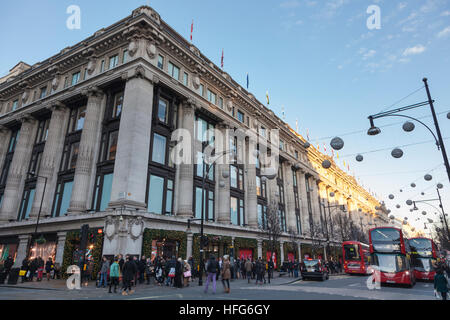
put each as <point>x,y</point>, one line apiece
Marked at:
<point>390,256</point>
<point>424,255</point>
<point>356,257</point>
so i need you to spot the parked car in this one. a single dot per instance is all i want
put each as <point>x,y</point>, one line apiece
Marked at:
<point>314,269</point>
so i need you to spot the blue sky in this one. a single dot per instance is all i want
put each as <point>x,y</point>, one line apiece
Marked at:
<point>317,59</point>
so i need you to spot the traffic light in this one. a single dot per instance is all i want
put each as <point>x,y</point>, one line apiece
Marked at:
<point>205,241</point>
<point>84,237</point>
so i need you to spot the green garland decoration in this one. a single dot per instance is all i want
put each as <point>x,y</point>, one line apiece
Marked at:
<point>224,240</point>
<point>72,238</point>
<point>266,246</point>
<point>246,243</point>
<point>154,234</point>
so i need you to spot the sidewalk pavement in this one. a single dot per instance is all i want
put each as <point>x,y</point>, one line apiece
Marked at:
<point>61,284</point>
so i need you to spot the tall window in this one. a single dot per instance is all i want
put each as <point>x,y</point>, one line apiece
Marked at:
<point>27,202</point>
<point>281,200</point>
<point>102,66</point>
<point>237,211</point>
<point>15,105</point>
<point>118,104</point>
<point>308,199</point>
<point>43,93</point>
<point>161,176</point>
<point>163,110</point>
<point>8,159</point>
<point>261,193</point>
<point>125,56</point>
<point>108,149</point>
<point>240,116</point>
<point>221,102</point>
<point>113,61</point>
<point>174,71</point>
<point>69,158</point>
<point>297,201</point>
<point>203,135</point>
<point>237,187</point>
<point>76,78</point>
<point>211,96</point>
<point>186,79</point>
<point>160,62</point>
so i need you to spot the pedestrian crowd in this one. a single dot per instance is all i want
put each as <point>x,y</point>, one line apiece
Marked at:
<point>132,271</point>
<point>34,269</point>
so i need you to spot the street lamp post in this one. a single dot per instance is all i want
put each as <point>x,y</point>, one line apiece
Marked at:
<point>440,205</point>
<point>396,113</point>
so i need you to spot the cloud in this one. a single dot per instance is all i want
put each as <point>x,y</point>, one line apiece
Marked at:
<point>414,50</point>
<point>444,33</point>
<point>445,13</point>
<point>401,5</point>
<point>369,54</point>
<point>290,4</point>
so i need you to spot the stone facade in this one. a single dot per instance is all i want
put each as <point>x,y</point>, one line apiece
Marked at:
<point>139,54</point>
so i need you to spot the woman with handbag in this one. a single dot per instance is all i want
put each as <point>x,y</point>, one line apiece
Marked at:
<point>187,273</point>
<point>226,273</point>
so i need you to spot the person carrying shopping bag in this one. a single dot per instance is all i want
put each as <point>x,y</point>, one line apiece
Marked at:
<point>226,274</point>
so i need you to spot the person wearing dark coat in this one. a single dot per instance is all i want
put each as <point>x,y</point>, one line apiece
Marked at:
<point>178,280</point>
<point>169,265</point>
<point>128,272</point>
<point>33,268</point>
<point>441,283</point>
<point>48,268</point>
<point>141,268</point>
<point>25,266</point>
<point>8,264</point>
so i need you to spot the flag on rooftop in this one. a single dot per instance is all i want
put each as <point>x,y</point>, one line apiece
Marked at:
<point>221,61</point>
<point>248,81</point>
<point>267,96</point>
<point>192,28</point>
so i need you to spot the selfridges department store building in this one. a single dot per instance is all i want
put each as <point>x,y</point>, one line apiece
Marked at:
<point>98,125</point>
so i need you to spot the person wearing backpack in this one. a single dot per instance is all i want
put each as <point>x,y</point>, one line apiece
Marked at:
<point>211,269</point>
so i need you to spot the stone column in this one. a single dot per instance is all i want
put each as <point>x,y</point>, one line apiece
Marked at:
<point>18,170</point>
<point>315,199</point>
<point>252,198</point>
<point>300,251</point>
<point>86,160</point>
<point>51,159</point>
<point>186,168</point>
<point>60,247</point>
<point>190,237</point>
<point>22,250</point>
<point>131,165</point>
<point>289,195</point>
<point>223,183</point>
<point>260,243</point>
<point>281,252</point>
<point>304,215</point>
<point>5,137</point>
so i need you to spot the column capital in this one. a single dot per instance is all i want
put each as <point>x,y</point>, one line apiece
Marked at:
<point>56,106</point>
<point>92,91</point>
<point>23,237</point>
<point>27,118</point>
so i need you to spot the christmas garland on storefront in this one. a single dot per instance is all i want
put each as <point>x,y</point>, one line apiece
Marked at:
<point>97,254</point>
<point>289,247</point>
<point>245,243</point>
<point>211,238</point>
<point>72,239</point>
<point>156,234</point>
<point>268,247</point>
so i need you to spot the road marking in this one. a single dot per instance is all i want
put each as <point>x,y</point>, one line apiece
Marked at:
<point>353,285</point>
